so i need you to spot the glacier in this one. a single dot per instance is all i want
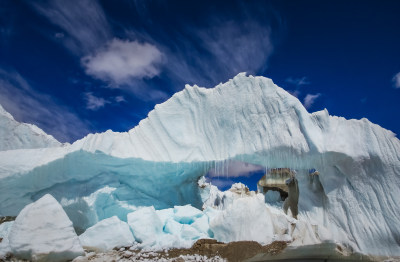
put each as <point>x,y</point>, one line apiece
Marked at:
<point>250,119</point>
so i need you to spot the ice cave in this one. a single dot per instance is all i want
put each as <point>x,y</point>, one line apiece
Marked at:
<point>147,186</point>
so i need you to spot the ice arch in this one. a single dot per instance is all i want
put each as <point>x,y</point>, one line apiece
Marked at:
<point>248,119</point>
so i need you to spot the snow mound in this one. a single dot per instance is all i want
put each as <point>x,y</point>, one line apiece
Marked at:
<point>42,231</point>
<point>16,135</point>
<point>107,234</point>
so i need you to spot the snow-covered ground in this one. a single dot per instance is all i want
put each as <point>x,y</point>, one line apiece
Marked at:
<point>153,171</point>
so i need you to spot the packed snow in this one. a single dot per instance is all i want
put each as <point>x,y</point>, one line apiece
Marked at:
<point>154,170</point>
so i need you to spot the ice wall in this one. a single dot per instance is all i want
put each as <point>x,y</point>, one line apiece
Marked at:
<point>248,119</point>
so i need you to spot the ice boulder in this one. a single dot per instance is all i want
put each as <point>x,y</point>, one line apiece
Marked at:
<point>42,231</point>
<point>165,214</point>
<point>246,218</point>
<point>107,234</point>
<point>201,224</point>
<point>172,227</point>
<point>186,214</point>
<point>145,224</point>
<point>190,233</point>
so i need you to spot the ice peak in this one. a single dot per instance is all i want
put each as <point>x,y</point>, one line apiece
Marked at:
<point>5,113</point>
<point>16,135</point>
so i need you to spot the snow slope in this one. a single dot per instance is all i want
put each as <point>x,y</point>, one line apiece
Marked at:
<point>15,135</point>
<point>158,162</point>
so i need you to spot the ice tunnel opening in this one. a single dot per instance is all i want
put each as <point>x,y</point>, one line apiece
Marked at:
<point>224,174</point>
<point>273,183</point>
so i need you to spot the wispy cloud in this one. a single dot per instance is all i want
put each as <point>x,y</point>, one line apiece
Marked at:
<point>93,102</point>
<point>396,80</point>
<point>85,31</point>
<point>219,51</point>
<point>310,99</point>
<point>83,23</point>
<point>119,99</point>
<point>121,61</point>
<point>297,81</point>
<point>29,105</point>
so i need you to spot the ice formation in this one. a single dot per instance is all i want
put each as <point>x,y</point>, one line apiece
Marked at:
<point>43,232</point>
<point>159,162</point>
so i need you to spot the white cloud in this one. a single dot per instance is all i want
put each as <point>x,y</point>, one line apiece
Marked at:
<point>93,102</point>
<point>310,99</point>
<point>30,106</point>
<point>298,81</point>
<point>120,62</point>
<point>234,168</point>
<point>396,80</point>
<point>84,23</point>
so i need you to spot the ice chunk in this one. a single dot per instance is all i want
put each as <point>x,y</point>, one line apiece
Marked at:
<point>201,224</point>
<point>190,233</point>
<point>43,231</point>
<point>165,214</point>
<point>107,234</point>
<point>145,224</point>
<point>186,214</point>
<point>173,227</point>
<point>246,219</point>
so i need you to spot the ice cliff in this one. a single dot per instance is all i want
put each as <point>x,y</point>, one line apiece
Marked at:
<point>159,162</point>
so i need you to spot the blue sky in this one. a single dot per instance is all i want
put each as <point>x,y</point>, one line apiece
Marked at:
<point>74,67</point>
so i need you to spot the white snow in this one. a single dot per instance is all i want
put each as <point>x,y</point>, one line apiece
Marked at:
<point>42,231</point>
<point>107,234</point>
<point>250,119</point>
